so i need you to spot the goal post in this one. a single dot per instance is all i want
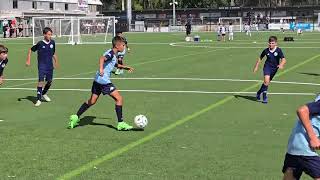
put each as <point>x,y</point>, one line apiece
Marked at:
<point>75,30</point>
<point>236,22</point>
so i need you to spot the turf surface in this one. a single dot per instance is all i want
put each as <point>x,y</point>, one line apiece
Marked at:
<point>191,135</point>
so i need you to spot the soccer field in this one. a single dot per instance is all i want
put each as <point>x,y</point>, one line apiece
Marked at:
<point>199,99</point>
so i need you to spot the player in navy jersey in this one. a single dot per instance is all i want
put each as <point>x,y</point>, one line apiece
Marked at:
<point>47,61</point>
<point>102,84</point>
<point>303,143</point>
<point>3,61</point>
<point>275,60</point>
<point>121,54</point>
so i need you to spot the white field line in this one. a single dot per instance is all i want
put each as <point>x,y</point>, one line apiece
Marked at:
<point>164,91</point>
<point>179,79</point>
<point>234,47</point>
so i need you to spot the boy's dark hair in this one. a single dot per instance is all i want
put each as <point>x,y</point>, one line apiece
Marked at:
<point>273,39</point>
<point>119,32</point>
<point>3,49</point>
<point>116,40</point>
<point>46,30</point>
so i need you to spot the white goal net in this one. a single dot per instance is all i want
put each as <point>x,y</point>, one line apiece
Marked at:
<point>236,22</point>
<point>75,30</point>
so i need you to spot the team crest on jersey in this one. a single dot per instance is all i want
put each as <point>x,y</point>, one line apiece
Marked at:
<point>51,46</point>
<point>3,65</point>
<point>43,47</point>
<point>275,54</point>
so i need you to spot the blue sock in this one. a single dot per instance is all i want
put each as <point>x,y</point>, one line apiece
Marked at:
<point>82,109</point>
<point>39,93</point>
<point>119,113</point>
<point>262,89</point>
<point>46,88</point>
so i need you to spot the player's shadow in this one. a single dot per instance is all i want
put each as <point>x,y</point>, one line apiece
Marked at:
<point>309,74</point>
<point>250,98</point>
<point>89,120</point>
<point>29,98</point>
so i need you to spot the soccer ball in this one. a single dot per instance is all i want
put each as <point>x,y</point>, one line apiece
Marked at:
<point>141,121</point>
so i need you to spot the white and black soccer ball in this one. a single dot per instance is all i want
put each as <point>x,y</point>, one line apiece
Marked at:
<point>141,121</point>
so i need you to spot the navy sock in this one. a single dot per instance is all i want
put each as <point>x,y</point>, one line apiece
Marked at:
<point>39,93</point>
<point>82,109</point>
<point>119,113</point>
<point>262,89</point>
<point>46,88</point>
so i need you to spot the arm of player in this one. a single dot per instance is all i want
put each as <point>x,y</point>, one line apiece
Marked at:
<point>130,69</point>
<point>256,66</point>
<point>28,61</point>
<point>56,62</point>
<point>282,63</point>
<point>304,116</point>
<point>101,62</point>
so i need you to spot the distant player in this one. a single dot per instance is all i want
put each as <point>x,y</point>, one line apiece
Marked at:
<point>3,61</point>
<point>121,54</point>
<point>219,32</point>
<point>304,140</point>
<point>102,84</point>
<point>247,29</point>
<point>299,31</point>
<point>188,28</point>
<point>223,33</point>
<point>230,31</point>
<point>275,60</point>
<point>47,61</point>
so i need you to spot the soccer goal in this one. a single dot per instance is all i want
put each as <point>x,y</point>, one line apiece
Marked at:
<point>236,22</point>
<point>75,30</point>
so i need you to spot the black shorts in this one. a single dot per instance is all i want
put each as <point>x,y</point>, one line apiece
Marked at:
<point>188,32</point>
<point>270,71</point>
<point>223,34</point>
<point>45,75</point>
<point>98,88</point>
<point>299,164</point>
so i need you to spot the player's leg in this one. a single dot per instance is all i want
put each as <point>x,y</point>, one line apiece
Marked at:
<point>264,87</point>
<point>118,108</point>
<point>96,91</point>
<point>40,85</point>
<point>292,167</point>
<point>49,76</point>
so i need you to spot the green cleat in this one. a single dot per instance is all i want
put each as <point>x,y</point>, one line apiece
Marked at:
<point>74,119</point>
<point>122,126</point>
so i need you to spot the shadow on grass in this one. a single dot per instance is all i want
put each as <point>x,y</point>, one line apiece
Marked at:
<point>89,120</point>
<point>29,98</point>
<point>250,98</point>
<point>309,74</point>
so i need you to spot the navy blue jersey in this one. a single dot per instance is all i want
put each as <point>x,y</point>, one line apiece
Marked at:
<point>45,51</point>
<point>3,64</point>
<point>273,57</point>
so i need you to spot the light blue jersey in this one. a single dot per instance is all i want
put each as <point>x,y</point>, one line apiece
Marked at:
<point>108,66</point>
<point>299,140</point>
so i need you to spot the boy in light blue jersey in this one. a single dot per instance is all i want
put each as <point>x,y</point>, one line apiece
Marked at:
<point>121,54</point>
<point>303,142</point>
<point>102,84</point>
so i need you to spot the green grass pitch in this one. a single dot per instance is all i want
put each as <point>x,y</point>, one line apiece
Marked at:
<point>201,124</point>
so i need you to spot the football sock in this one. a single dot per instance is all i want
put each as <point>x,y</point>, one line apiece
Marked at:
<point>46,87</point>
<point>119,113</point>
<point>83,109</point>
<point>39,93</point>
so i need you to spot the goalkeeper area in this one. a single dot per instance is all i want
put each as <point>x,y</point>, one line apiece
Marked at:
<point>75,30</point>
<point>199,98</point>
